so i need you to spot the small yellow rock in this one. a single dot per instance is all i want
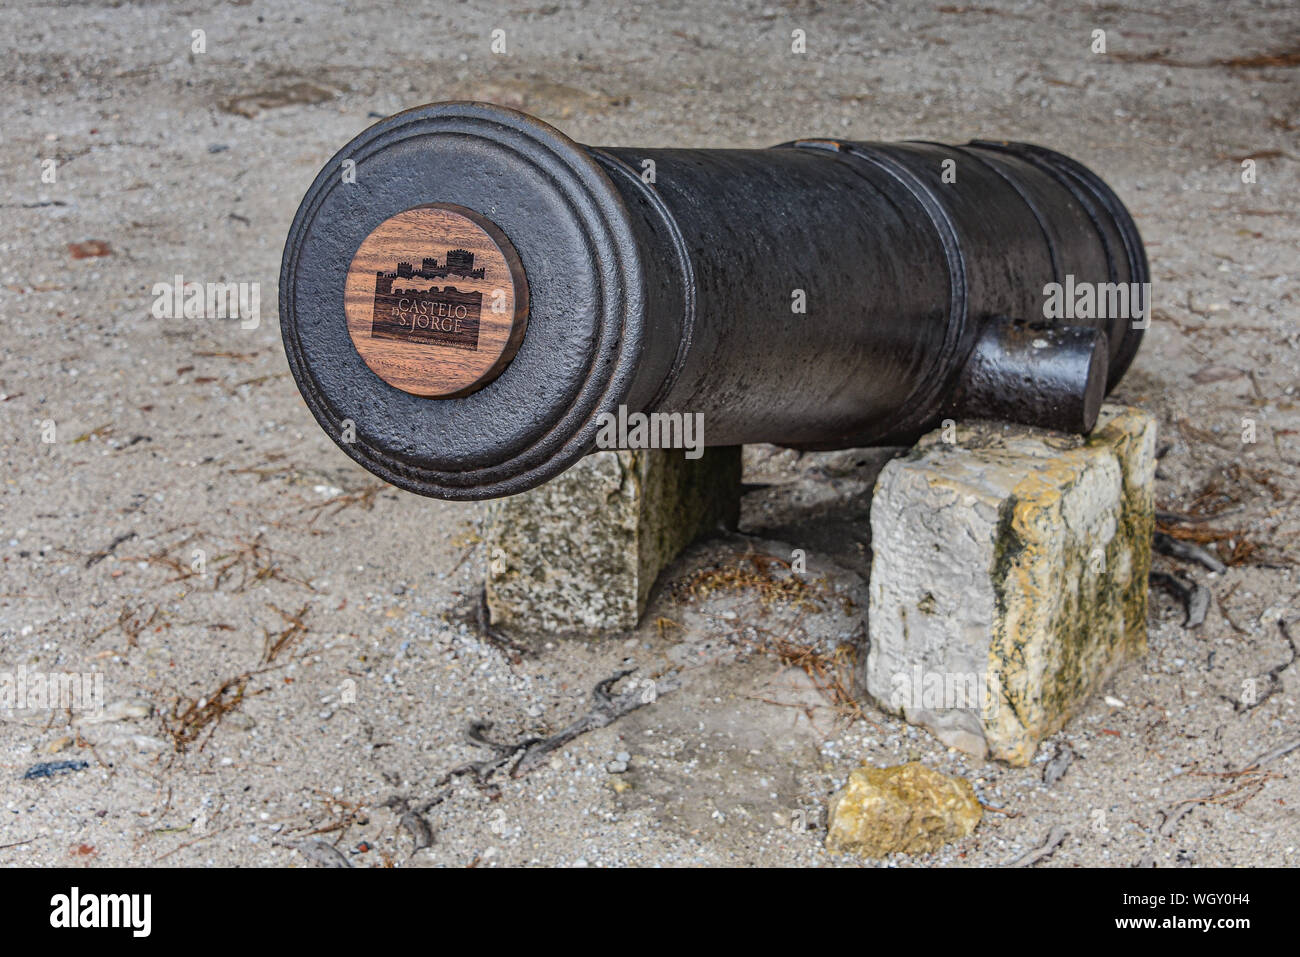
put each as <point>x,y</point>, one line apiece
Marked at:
<point>907,808</point>
<point>54,747</point>
<point>618,784</point>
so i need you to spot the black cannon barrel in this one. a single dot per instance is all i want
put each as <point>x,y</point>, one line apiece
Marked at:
<point>465,291</point>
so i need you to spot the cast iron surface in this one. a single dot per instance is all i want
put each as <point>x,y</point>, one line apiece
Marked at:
<point>676,295</point>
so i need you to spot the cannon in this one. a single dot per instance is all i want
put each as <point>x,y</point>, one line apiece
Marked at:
<point>467,295</point>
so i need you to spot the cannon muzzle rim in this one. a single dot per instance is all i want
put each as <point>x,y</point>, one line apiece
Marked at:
<point>585,289</point>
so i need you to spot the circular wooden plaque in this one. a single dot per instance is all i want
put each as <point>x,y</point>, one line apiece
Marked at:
<point>436,301</point>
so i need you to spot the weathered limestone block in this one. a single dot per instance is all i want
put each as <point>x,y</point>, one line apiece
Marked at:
<point>908,808</point>
<point>1009,577</point>
<point>579,554</point>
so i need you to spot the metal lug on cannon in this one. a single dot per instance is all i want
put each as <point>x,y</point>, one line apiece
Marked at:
<point>1034,373</point>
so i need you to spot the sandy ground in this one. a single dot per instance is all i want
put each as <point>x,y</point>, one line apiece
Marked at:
<point>177,437</point>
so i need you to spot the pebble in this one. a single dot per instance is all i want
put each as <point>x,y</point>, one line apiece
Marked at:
<point>117,711</point>
<point>239,721</point>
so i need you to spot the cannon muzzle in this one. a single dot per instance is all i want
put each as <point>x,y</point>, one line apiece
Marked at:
<point>468,297</point>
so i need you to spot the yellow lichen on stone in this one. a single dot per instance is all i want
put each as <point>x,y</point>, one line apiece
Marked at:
<point>908,808</point>
<point>1071,581</point>
<point>1131,435</point>
<point>1060,617</point>
<point>1013,560</point>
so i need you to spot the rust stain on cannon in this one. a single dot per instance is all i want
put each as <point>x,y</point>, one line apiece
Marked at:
<point>670,280</point>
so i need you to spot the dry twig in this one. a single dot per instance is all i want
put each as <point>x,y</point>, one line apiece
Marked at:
<point>1054,838</point>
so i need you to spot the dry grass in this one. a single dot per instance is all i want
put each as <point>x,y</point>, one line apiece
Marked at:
<point>268,470</point>
<point>132,621</point>
<point>341,815</point>
<point>1280,58</point>
<point>192,719</point>
<point>1284,58</point>
<point>364,497</point>
<point>1231,544</point>
<point>755,572</point>
<point>254,562</point>
<point>1246,784</point>
<point>163,558</point>
<point>1224,493</point>
<point>831,674</point>
<point>776,584</point>
<point>274,643</point>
